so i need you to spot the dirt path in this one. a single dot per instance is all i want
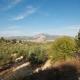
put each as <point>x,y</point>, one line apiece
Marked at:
<point>21,66</point>
<point>16,72</point>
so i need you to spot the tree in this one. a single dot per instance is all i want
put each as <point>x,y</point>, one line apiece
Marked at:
<point>63,47</point>
<point>20,41</point>
<point>14,41</point>
<point>2,39</point>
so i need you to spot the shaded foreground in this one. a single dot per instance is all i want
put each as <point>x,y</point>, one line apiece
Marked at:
<point>63,72</point>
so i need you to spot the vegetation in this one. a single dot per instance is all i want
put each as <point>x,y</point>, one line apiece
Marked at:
<point>37,53</point>
<point>63,48</point>
<point>78,40</point>
<point>10,50</point>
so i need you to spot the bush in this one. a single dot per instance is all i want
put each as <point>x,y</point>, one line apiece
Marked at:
<point>37,55</point>
<point>63,47</point>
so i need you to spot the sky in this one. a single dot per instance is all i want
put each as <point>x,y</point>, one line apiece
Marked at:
<point>30,17</point>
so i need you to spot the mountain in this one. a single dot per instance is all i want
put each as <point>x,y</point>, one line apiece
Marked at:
<point>46,36</point>
<point>40,36</point>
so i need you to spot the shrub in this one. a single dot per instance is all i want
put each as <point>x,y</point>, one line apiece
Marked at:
<point>37,55</point>
<point>62,48</point>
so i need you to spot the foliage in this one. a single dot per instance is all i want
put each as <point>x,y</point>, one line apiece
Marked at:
<point>8,50</point>
<point>63,47</point>
<point>14,41</point>
<point>37,55</point>
<point>78,40</point>
<point>12,49</point>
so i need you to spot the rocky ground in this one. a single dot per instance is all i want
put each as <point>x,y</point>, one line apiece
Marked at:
<point>69,68</point>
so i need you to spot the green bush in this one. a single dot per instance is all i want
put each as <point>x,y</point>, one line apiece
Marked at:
<point>63,48</point>
<point>37,55</point>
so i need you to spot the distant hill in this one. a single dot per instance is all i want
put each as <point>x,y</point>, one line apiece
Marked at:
<point>35,37</point>
<point>46,36</point>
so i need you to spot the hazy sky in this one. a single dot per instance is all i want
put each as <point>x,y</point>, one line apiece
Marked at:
<point>30,17</point>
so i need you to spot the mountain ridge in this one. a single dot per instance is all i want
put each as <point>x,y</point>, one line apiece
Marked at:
<point>41,35</point>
